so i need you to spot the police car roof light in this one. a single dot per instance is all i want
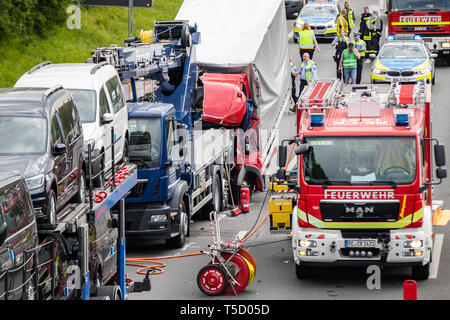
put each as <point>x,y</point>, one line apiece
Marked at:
<point>401,120</point>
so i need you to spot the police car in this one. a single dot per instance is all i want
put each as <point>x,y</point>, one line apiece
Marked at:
<point>403,58</point>
<point>321,17</point>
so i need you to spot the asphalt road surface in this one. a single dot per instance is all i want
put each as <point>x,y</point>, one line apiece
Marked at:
<point>275,275</point>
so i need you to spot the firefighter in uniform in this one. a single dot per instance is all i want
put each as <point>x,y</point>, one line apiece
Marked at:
<point>307,41</point>
<point>376,28</point>
<point>360,46</point>
<point>364,28</point>
<point>308,71</point>
<point>342,23</point>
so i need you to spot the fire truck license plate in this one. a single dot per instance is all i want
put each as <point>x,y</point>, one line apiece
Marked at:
<point>360,243</point>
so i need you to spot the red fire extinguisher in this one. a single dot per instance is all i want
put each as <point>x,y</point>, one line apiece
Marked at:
<point>244,203</point>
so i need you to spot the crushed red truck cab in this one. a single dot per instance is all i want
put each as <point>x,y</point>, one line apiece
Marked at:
<point>225,98</point>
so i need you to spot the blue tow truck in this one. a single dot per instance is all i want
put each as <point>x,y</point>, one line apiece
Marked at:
<point>183,165</point>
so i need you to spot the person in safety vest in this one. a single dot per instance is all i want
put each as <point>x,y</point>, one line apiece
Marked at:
<point>341,43</point>
<point>307,41</point>
<point>342,23</point>
<point>364,28</point>
<point>360,46</point>
<point>349,64</point>
<point>350,17</point>
<point>376,28</point>
<point>308,71</point>
<point>294,73</point>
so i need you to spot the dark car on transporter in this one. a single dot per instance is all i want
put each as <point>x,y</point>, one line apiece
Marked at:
<point>42,139</point>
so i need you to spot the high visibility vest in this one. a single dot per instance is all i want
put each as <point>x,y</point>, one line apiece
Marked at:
<point>359,45</point>
<point>349,61</point>
<point>351,18</point>
<point>306,39</point>
<point>308,69</point>
<point>341,23</point>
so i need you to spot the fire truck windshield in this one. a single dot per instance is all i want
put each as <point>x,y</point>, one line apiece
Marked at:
<point>419,5</point>
<point>360,160</point>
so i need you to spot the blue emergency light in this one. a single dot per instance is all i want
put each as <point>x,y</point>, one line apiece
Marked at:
<point>404,37</point>
<point>316,119</point>
<point>401,120</point>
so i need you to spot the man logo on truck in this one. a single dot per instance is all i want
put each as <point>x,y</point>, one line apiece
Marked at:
<point>359,210</point>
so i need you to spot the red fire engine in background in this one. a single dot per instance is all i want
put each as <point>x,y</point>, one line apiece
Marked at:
<point>428,18</point>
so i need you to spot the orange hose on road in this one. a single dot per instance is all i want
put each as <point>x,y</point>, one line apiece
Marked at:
<point>158,266</point>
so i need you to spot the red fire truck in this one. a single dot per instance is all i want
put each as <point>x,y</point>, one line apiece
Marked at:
<point>428,18</point>
<point>364,176</point>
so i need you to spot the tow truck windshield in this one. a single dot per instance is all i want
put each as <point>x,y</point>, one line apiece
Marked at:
<point>22,135</point>
<point>145,141</point>
<point>419,5</point>
<point>403,52</point>
<point>318,11</point>
<point>360,160</point>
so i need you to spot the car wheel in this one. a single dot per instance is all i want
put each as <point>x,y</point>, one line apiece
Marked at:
<point>100,179</point>
<point>302,271</point>
<point>433,81</point>
<point>80,197</point>
<point>179,240</point>
<point>125,157</point>
<point>50,208</point>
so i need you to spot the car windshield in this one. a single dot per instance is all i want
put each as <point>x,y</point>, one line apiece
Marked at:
<point>360,160</point>
<point>318,11</point>
<point>419,5</point>
<point>145,141</point>
<point>86,104</point>
<point>22,135</point>
<point>403,52</point>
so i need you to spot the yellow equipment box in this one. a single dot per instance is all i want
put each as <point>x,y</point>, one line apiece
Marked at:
<point>280,209</point>
<point>274,186</point>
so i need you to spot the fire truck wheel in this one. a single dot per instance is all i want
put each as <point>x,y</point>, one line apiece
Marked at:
<point>421,272</point>
<point>303,272</point>
<point>212,280</point>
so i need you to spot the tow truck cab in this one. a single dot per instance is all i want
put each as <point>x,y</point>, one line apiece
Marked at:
<point>364,171</point>
<point>153,207</point>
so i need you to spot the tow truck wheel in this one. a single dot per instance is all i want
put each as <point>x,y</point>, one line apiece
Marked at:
<point>113,292</point>
<point>212,280</point>
<point>302,271</point>
<point>180,239</point>
<point>421,272</point>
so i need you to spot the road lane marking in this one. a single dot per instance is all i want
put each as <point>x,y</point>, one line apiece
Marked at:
<point>434,266</point>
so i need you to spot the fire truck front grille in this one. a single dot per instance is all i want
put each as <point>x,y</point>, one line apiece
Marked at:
<point>383,211</point>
